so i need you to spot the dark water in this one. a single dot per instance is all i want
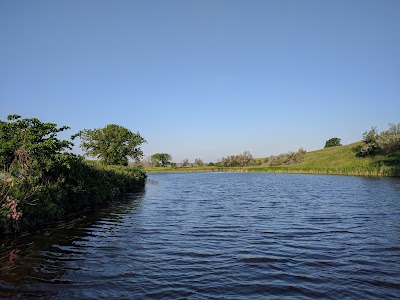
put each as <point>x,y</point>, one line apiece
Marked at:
<point>221,235</point>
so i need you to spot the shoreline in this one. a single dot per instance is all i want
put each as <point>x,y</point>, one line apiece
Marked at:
<point>366,172</point>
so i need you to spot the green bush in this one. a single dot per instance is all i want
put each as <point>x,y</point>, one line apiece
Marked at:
<point>43,183</point>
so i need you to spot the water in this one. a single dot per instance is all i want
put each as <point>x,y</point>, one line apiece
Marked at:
<point>221,235</point>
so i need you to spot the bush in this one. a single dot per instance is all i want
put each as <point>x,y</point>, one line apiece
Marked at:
<point>387,142</point>
<point>42,183</point>
<point>370,144</point>
<point>286,158</point>
<point>240,160</point>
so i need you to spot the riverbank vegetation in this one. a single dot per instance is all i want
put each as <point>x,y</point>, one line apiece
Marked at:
<point>378,154</point>
<point>41,182</point>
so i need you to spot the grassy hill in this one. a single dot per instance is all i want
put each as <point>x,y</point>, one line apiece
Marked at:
<point>335,160</point>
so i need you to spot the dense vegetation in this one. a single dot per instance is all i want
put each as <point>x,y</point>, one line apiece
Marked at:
<point>42,182</point>
<point>384,143</point>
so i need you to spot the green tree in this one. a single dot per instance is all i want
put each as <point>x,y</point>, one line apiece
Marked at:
<point>161,159</point>
<point>333,142</point>
<point>112,144</point>
<point>30,147</point>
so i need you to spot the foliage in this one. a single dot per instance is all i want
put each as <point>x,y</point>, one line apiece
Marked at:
<point>29,147</point>
<point>161,159</point>
<point>240,160</point>
<point>389,140</point>
<point>393,159</point>
<point>198,162</point>
<point>334,160</point>
<point>113,144</point>
<point>285,158</point>
<point>333,142</point>
<point>43,183</point>
<point>385,143</point>
<point>370,144</point>
<point>185,163</point>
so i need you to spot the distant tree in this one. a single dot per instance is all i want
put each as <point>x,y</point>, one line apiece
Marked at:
<point>161,159</point>
<point>198,162</point>
<point>246,158</point>
<point>288,158</point>
<point>240,160</point>
<point>112,144</point>
<point>185,162</point>
<point>333,142</point>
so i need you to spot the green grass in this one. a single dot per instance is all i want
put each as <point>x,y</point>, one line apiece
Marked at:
<point>339,160</point>
<point>335,160</point>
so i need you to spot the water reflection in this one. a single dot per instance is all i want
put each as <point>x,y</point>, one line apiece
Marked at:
<point>34,265</point>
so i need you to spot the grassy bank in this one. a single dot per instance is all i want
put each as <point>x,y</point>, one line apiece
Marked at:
<point>334,160</point>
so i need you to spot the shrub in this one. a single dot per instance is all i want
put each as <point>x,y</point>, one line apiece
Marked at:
<point>286,158</point>
<point>43,183</point>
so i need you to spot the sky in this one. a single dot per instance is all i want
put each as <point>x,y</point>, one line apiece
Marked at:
<point>205,79</point>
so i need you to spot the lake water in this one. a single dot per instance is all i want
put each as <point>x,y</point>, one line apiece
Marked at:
<point>221,235</point>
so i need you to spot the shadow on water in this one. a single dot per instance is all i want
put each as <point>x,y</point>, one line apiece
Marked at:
<point>32,264</point>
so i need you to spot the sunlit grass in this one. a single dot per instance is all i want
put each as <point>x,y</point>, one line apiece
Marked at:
<point>339,160</point>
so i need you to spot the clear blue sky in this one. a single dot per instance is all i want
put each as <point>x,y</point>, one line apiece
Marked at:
<point>205,79</point>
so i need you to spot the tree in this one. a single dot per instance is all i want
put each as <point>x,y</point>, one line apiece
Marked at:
<point>185,162</point>
<point>198,162</point>
<point>112,144</point>
<point>333,142</point>
<point>29,146</point>
<point>161,159</point>
<point>240,160</point>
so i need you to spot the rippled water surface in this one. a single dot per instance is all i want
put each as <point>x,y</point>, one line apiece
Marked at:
<point>221,235</point>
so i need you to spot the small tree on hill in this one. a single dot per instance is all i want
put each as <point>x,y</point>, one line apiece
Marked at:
<point>333,142</point>
<point>113,144</point>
